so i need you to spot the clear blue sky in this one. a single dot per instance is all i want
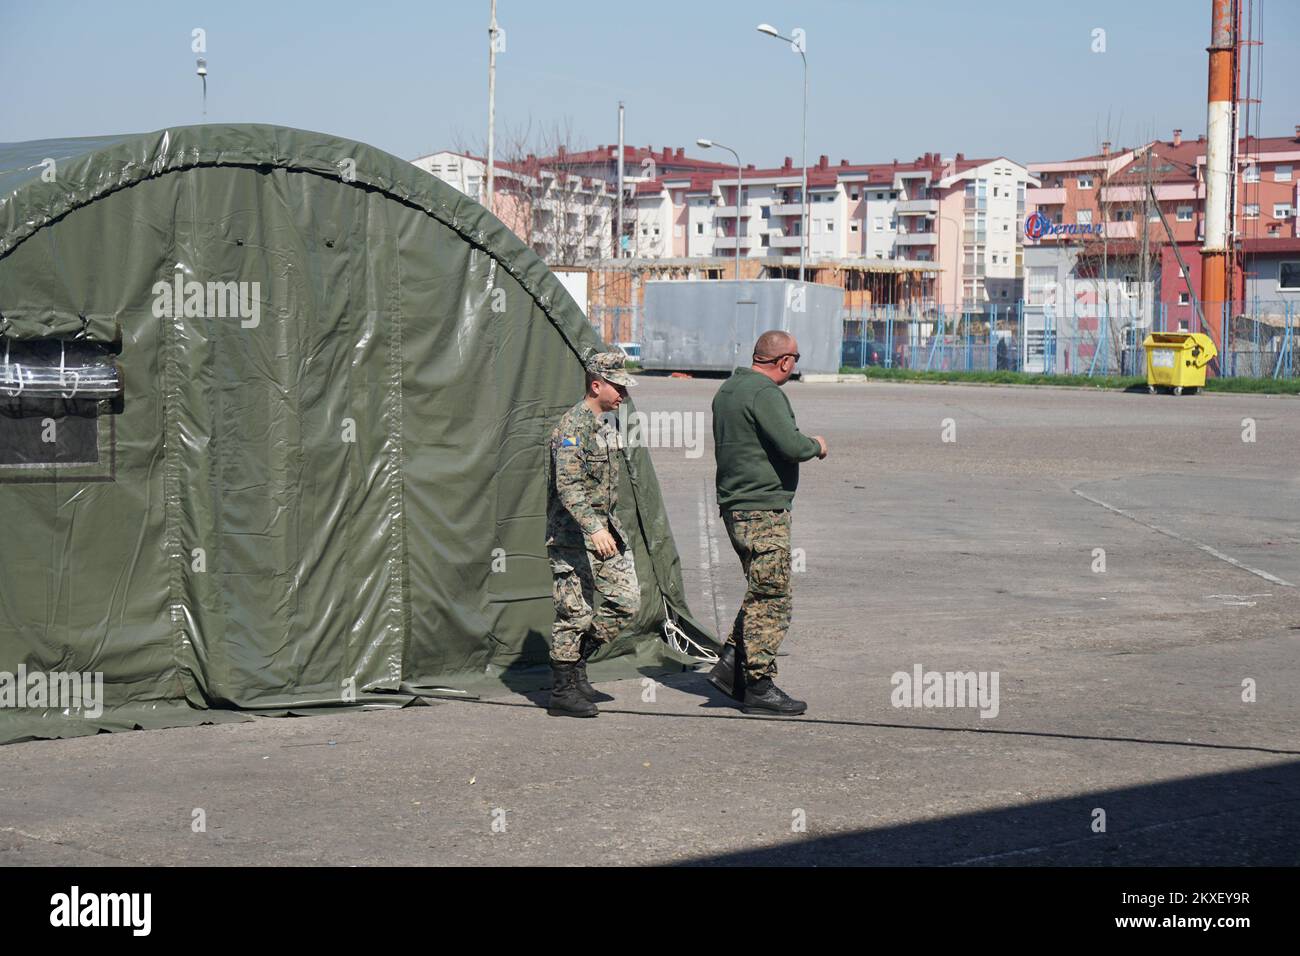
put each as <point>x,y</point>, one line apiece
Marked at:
<point>889,78</point>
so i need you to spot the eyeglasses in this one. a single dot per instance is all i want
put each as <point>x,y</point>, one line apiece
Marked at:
<point>773,361</point>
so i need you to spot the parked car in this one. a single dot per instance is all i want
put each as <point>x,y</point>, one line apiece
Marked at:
<point>631,349</point>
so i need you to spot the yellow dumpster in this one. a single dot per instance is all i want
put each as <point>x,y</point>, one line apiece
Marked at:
<point>1176,360</point>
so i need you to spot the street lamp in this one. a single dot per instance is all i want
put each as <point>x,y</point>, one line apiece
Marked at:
<point>740,189</point>
<point>201,69</point>
<point>798,41</point>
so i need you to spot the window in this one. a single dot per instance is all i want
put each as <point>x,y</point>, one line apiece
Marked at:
<point>1085,180</point>
<point>1121,215</point>
<point>1057,218</point>
<point>73,383</point>
<point>853,194</point>
<point>853,226</point>
<point>877,225</point>
<point>880,195</point>
<point>1083,217</point>
<point>1282,210</point>
<point>1250,210</point>
<point>1184,214</point>
<point>894,194</point>
<point>1251,175</point>
<point>830,225</point>
<point>762,240</point>
<point>1288,275</point>
<point>1282,174</point>
<point>699,228</point>
<point>767,213</point>
<point>1182,298</point>
<point>995,192</point>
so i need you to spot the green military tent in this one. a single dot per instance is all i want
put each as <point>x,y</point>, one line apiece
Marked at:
<point>273,420</point>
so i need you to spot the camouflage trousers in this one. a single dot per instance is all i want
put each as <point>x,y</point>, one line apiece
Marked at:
<point>762,541</point>
<point>578,577</point>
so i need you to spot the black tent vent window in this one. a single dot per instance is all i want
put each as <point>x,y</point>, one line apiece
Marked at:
<point>51,394</point>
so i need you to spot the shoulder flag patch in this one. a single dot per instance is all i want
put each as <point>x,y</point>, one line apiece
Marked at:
<point>569,443</point>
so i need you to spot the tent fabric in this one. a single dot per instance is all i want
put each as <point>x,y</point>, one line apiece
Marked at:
<point>335,497</point>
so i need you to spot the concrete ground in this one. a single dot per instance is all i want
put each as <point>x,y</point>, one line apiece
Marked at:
<point>1120,691</point>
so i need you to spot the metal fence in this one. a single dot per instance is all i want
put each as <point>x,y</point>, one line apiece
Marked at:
<point>1023,337</point>
<point>616,323</point>
<point>1261,338</point>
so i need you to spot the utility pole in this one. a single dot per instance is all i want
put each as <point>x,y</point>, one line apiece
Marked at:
<point>492,107</point>
<point>618,207</point>
<point>1219,163</point>
<point>1144,266</point>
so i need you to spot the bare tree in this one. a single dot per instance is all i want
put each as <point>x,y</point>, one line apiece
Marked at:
<point>550,195</point>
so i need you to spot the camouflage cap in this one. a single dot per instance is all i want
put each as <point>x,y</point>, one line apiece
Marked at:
<point>609,366</point>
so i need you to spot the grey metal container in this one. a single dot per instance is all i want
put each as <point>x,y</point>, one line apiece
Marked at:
<point>709,326</point>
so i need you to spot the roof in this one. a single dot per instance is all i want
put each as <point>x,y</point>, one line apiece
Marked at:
<point>631,155</point>
<point>90,168</point>
<point>1182,156</point>
<point>1265,246</point>
<point>829,175</point>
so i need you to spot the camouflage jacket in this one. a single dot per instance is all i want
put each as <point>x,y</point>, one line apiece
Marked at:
<point>585,463</point>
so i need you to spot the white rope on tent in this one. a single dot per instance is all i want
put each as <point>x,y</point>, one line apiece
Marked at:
<point>681,642</point>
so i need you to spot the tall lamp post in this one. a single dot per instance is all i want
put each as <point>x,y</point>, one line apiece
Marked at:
<point>798,43</point>
<point>740,189</point>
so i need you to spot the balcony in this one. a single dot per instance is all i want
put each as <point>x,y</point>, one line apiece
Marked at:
<point>918,207</point>
<point>729,242</point>
<point>729,212</point>
<point>1046,197</point>
<point>787,208</point>
<point>784,242</point>
<point>917,239</point>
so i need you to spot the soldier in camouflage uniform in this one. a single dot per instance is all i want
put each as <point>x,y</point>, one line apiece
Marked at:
<point>758,449</point>
<point>590,552</point>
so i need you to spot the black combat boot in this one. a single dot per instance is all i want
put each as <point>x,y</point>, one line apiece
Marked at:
<point>566,699</point>
<point>586,648</point>
<point>764,697</point>
<point>723,675</point>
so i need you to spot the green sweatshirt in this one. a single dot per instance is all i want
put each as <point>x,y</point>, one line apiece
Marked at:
<point>757,444</point>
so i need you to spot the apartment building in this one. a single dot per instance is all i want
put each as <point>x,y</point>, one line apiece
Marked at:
<point>945,228</point>
<point>566,217</point>
<point>1110,194</point>
<point>987,197</point>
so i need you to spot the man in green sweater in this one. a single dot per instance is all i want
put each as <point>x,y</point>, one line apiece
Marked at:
<point>758,448</point>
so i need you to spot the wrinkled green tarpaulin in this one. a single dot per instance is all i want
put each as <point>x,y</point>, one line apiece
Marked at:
<point>394,311</point>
